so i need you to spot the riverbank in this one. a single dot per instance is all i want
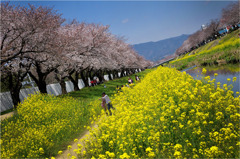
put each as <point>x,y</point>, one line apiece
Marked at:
<point>220,74</point>
<point>219,52</point>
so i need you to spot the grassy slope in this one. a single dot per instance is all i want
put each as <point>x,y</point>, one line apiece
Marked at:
<point>223,50</point>
<point>86,96</point>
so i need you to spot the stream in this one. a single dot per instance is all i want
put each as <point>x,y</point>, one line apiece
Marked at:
<point>223,74</point>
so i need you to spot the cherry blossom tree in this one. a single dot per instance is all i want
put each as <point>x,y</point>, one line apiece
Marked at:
<point>230,14</point>
<point>12,75</point>
<point>23,29</point>
<point>26,33</point>
<point>87,43</point>
<point>212,28</point>
<point>34,41</point>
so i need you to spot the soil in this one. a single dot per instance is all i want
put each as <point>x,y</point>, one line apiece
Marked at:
<point>5,116</point>
<point>65,153</point>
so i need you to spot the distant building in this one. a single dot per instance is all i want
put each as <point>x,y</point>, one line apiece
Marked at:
<point>203,27</point>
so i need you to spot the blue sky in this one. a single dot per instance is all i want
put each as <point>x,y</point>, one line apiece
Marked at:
<point>140,21</point>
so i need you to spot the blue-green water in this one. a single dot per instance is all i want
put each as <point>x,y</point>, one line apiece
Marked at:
<point>223,75</point>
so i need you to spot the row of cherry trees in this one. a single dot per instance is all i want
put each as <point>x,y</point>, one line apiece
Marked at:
<point>230,17</point>
<point>35,41</point>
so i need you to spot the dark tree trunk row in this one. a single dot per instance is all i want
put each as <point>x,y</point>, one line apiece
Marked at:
<point>40,78</point>
<point>15,85</point>
<point>84,78</point>
<point>74,80</point>
<point>62,83</point>
<point>109,75</point>
<point>100,75</point>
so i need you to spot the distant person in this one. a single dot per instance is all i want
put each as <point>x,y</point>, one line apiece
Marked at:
<point>130,81</point>
<point>97,79</point>
<point>137,78</point>
<point>103,104</point>
<point>108,102</point>
<point>92,83</point>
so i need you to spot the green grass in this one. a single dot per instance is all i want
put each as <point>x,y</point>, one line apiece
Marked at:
<point>224,50</point>
<point>229,37</point>
<point>88,94</point>
<point>207,46</point>
<point>230,68</point>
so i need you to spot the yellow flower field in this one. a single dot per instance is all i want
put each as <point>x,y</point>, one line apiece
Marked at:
<point>168,114</point>
<point>42,123</point>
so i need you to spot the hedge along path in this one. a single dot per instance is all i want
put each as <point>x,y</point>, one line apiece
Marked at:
<point>74,145</point>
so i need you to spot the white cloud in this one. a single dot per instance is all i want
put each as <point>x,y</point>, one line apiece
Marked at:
<point>125,21</point>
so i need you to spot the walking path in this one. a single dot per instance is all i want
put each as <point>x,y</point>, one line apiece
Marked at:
<point>5,116</point>
<point>74,145</point>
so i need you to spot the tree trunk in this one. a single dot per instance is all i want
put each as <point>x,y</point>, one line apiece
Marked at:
<point>15,97</point>
<point>109,75</point>
<point>123,73</point>
<point>127,72</point>
<point>40,79</point>
<point>133,71</point>
<point>42,86</point>
<point>61,82</point>
<point>63,86</point>
<point>116,74</point>
<point>99,76</point>
<point>90,76</point>
<point>15,90</point>
<point>75,83</point>
<point>85,80</point>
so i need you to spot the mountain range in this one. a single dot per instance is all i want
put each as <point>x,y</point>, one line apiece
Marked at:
<point>155,51</point>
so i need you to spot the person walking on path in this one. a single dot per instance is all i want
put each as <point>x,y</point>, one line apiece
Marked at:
<point>104,105</point>
<point>106,100</point>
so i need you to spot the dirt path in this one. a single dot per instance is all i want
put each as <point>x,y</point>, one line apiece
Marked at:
<point>65,153</point>
<point>5,116</point>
